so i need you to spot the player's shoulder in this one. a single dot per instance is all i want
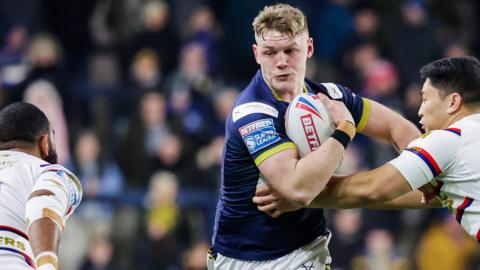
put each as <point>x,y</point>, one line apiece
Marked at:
<point>331,89</point>
<point>251,104</point>
<point>451,133</point>
<point>61,172</point>
<point>20,161</point>
<point>66,177</point>
<point>449,138</point>
<point>252,108</point>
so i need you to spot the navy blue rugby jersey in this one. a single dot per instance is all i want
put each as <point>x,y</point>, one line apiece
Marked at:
<point>255,130</point>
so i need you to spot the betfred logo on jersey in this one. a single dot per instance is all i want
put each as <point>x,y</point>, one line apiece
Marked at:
<point>247,129</point>
<point>310,131</point>
<point>259,134</point>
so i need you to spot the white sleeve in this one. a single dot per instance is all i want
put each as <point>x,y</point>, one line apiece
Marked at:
<point>66,196</point>
<point>67,179</point>
<point>427,157</point>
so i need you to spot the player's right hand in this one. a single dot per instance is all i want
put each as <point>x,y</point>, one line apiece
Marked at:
<point>271,203</point>
<point>337,110</point>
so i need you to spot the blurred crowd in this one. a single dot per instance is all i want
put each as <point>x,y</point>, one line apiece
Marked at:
<point>137,92</point>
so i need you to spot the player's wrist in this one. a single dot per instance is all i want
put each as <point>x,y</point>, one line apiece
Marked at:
<point>347,127</point>
<point>344,133</point>
<point>46,260</point>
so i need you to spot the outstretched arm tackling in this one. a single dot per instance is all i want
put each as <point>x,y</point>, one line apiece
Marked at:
<point>381,188</point>
<point>301,180</point>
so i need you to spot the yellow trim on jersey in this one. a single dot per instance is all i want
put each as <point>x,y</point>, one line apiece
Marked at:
<point>274,150</point>
<point>424,135</point>
<point>277,97</point>
<point>365,115</point>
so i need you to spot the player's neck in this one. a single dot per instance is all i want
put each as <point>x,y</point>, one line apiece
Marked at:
<point>463,112</point>
<point>30,151</point>
<point>288,96</point>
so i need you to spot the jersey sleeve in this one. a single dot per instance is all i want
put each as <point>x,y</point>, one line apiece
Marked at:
<point>261,129</point>
<point>427,157</point>
<point>359,107</point>
<point>66,181</point>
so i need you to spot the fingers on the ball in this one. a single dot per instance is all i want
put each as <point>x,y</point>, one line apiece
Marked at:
<point>323,98</point>
<point>321,95</point>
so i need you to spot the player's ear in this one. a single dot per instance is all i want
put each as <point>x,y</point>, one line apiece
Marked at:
<point>256,53</point>
<point>43,145</point>
<point>455,100</point>
<point>310,47</point>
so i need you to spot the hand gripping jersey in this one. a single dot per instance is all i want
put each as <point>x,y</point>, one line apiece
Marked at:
<point>20,175</point>
<point>448,160</point>
<point>255,130</point>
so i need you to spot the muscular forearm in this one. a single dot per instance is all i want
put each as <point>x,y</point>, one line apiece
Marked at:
<point>45,227</point>
<point>342,192</point>
<point>362,189</point>
<point>310,174</point>
<point>44,236</point>
<point>412,200</point>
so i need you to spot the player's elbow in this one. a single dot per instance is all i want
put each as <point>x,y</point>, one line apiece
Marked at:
<point>303,194</point>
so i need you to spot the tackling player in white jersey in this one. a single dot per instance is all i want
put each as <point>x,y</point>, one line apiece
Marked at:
<point>36,195</point>
<point>440,168</point>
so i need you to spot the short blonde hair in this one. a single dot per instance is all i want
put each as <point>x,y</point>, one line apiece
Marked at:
<point>280,17</point>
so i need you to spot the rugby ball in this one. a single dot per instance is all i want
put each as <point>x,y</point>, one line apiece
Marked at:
<point>308,123</point>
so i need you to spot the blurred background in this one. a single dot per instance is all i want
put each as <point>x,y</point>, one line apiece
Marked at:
<point>138,92</point>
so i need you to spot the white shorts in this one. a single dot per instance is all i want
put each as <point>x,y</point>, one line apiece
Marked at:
<point>312,256</point>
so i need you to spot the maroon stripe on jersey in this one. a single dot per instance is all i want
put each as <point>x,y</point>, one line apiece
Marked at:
<point>13,230</point>
<point>461,209</point>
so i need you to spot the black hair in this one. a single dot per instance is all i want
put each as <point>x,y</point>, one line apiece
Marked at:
<point>455,75</point>
<point>22,122</point>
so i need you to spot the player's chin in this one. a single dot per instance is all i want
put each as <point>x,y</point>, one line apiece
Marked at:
<point>284,86</point>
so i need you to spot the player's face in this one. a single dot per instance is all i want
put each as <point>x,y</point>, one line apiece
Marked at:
<point>283,59</point>
<point>434,109</point>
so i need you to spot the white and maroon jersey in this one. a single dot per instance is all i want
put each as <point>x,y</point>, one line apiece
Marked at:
<point>20,173</point>
<point>449,160</point>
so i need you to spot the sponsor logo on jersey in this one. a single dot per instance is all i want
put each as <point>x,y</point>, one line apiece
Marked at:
<point>253,107</point>
<point>259,134</point>
<point>310,132</point>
